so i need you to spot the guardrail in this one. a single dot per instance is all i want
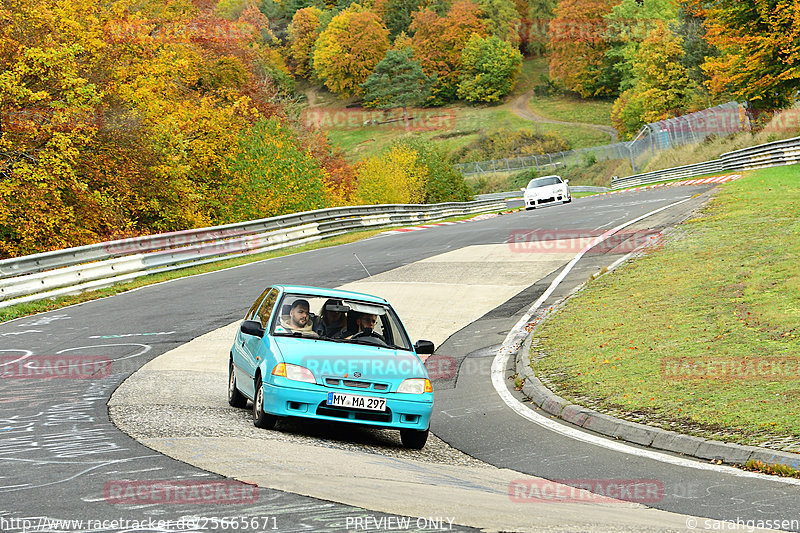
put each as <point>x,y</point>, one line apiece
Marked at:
<point>777,153</point>
<point>82,268</point>
<point>518,193</point>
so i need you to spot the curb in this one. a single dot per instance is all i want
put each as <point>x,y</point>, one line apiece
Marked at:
<point>633,432</point>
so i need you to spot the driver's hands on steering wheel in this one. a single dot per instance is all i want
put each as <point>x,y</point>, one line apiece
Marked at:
<point>366,332</point>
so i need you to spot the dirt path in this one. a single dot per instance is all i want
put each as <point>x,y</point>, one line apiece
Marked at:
<point>520,108</point>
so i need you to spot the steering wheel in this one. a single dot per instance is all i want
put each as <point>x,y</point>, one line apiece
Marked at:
<point>370,337</point>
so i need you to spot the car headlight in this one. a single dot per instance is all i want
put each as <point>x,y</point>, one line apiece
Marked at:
<point>415,386</point>
<point>294,372</point>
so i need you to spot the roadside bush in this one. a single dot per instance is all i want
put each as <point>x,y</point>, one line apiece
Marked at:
<point>443,182</point>
<point>271,176</point>
<point>504,143</point>
<point>394,177</point>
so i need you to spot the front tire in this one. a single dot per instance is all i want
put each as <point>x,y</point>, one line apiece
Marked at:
<point>260,418</point>
<point>414,439</point>
<point>235,397</point>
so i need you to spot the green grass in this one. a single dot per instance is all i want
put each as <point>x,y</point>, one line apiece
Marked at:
<point>455,126</point>
<point>726,286</point>
<point>452,128</point>
<point>573,109</point>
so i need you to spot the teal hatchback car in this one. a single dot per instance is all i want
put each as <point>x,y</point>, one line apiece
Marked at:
<point>331,355</point>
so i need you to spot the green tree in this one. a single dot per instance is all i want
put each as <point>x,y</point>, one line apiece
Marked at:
<point>349,49</point>
<point>663,86</point>
<point>398,81</point>
<point>502,19</point>
<point>272,175</point>
<point>490,69</point>
<point>443,182</point>
<point>628,24</point>
<point>398,15</point>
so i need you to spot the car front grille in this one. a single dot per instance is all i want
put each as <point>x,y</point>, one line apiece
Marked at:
<point>353,384</point>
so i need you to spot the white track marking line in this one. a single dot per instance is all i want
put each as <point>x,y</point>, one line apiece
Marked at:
<point>510,345</point>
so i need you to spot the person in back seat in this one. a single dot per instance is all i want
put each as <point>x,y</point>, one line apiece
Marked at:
<point>330,322</point>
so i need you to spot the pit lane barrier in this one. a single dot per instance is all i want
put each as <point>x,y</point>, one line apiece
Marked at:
<point>73,270</point>
<point>773,154</point>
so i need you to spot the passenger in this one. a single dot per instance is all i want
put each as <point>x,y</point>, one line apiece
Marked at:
<point>330,323</point>
<point>299,318</point>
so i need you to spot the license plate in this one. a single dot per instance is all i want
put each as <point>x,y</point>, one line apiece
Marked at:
<point>356,402</point>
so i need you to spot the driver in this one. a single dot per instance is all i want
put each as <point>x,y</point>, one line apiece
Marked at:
<point>365,323</point>
<point>299,318</point>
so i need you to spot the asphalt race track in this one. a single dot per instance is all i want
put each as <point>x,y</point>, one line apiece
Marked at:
<point>62,455</point>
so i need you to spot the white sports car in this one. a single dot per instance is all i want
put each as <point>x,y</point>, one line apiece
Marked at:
<point>545,190</point>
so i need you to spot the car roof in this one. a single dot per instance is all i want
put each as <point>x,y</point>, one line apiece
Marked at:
<point>330,293</point>
<point>548,176</point>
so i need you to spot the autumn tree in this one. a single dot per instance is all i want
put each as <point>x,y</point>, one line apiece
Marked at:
<point>578,42</point>
<point>398,81</point>
<point>535,15</point>
<point>490,67</point>
<point>348,50</point>
<point>759,50</point>
<point>394,177</point>
<point>663,87</point>
<point>443,182</point>
<point>438,41</point>
<point>627,25</point>
<point>502,19</point>
<point>303,33</point>
<point>273,177</point>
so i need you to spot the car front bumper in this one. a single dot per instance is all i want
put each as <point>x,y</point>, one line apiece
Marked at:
<point>401,412</point>
<point>535,202</point>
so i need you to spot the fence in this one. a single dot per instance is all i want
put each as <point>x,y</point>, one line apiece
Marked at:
<point>786,152</point>
<point>73,270</point>
<point>720,120</point>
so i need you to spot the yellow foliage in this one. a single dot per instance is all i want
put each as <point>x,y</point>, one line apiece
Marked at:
<point>392,178</point>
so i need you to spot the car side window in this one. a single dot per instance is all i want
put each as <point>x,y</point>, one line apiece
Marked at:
<point>251,313</point>
<point>265,310</point>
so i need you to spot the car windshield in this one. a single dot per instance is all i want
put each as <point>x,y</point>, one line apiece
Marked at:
<point>544,182</point>
<point>339,320</point>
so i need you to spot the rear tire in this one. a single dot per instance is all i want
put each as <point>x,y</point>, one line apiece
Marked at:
<point>414,439</point>
<point>235,397</point>
<point>260,418</point>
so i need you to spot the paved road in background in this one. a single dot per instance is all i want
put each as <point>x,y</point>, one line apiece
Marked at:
<point>60,451</point>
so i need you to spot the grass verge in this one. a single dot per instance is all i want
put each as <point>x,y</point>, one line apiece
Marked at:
<point>677,338</point>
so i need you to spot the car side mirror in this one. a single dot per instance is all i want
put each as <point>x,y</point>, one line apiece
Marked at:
<point>522,188</point>
<point>252,327</point>
<point>566,181</point>
<point>424,347</point>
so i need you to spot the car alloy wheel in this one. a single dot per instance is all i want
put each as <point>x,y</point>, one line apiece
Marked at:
<point>235,398</point>
<point>260,418</point>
